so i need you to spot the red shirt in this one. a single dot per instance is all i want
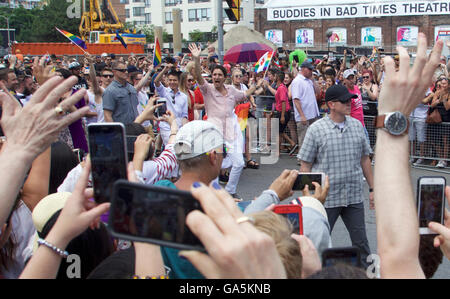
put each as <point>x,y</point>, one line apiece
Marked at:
<point>282,96</point>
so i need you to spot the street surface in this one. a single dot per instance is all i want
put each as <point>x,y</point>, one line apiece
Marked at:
<point>254,181</point>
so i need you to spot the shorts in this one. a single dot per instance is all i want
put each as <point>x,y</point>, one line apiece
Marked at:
<point>417,129</point>
<point>287,118</point>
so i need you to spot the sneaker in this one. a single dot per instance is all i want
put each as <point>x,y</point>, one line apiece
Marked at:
<point>236,197</point>
<point>441,164</point>
<point>419,161</point>
<point>292,151</point>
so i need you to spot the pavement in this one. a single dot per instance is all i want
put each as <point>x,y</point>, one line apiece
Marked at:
<point>254,181</point>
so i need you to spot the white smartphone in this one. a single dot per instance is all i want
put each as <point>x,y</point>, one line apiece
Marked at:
<point>430,202</point>
<point>306,178</point>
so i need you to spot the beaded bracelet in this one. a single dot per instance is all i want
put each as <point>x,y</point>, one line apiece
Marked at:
<point>151,277</point>
<point>59,251</point>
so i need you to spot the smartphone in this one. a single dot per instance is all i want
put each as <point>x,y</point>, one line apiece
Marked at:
<point>160,111</point>
<point>296,58</point>
<point>307,178</point>
<point>108,153</point>
<point>341,255</point>
<point>293,214</point>
<point>153,214</point>
<point>430,202</point>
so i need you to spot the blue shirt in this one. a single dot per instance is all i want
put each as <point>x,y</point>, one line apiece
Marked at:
<point>122,101</point>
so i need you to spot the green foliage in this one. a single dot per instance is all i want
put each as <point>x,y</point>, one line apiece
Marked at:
<point>38,24</point>
<point>196,36</point>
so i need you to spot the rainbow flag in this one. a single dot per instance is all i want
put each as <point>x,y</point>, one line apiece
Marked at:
<point>73,38</point>
<point>241,111</point>
<point>263,63</point>
<point>156,53</point>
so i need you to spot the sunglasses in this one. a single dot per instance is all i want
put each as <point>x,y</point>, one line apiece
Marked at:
<point>366,77</point>
<point>341,101</point>
<point>190,80</point>
<point>122,70</point>
<point>224,151</point>
<point>107,76</point>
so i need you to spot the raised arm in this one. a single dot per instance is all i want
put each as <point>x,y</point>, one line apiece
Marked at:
<point>144,80</point>
<point>396,214</point>
<point>195,51</point>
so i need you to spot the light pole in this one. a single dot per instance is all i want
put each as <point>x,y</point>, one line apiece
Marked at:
<point>7,26</point>
<point>328,34</point>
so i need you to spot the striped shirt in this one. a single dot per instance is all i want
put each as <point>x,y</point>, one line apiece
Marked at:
<point>337,152</point>
<point>160,168</point>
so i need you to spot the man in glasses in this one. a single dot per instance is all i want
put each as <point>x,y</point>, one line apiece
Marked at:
<point>120,97</point>
<point>107,77</point>
<point>337,146</point>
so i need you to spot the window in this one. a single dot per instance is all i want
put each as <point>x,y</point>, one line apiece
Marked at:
<point>198,1</point>
<point>137,23</point>
<point>124,1</point>
<point>138,11</point>
<point>138,1</point>
<point>200,14</point>
<point>259,1</point>
<point>147,3</point>
<point>127,13</point>
<point>168,18</point>
<point>173,2</point>
<point>148,18</point>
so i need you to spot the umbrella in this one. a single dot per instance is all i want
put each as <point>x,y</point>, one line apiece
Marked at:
<point>248,52</point>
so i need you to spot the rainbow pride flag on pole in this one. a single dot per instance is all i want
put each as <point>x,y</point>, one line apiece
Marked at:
<point>73,38</point>
<point>263,63</point>
<point>156,53</point>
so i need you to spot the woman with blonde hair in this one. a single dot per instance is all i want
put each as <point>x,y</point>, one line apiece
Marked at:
<point>186,81</point>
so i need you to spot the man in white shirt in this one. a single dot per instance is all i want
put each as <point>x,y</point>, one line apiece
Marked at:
<point>306,110</point>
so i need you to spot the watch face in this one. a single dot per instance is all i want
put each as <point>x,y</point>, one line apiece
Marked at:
<point>396,123</point>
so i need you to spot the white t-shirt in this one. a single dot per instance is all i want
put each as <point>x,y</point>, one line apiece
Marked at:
<point>142,102</point>
<point>303,89</point>
<point>94,107</point>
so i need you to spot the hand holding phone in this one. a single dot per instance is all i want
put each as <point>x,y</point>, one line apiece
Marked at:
<point>430,202</point>
<point>307,178</point>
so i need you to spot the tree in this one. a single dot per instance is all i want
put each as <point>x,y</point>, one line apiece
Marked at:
<point>196,36</point>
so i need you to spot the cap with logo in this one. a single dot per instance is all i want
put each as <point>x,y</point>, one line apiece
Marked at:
<point>196,138</point>
<point>74,65</point>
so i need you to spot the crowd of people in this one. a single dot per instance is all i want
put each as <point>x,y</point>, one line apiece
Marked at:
<point>46,211</point>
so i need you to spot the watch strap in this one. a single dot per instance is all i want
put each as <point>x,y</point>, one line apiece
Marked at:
<point>379,121</point>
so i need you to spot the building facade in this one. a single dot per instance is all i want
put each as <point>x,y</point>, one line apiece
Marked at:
<point>383,24</point>
<point>195,14</point>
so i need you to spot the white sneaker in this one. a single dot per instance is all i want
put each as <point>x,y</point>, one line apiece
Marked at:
<point>441,164</point>
<point>419,161</point>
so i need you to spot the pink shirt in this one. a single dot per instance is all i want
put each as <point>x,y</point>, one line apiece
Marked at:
<point>219,108</point>
<point>357,106</point>
<point>282,96</point>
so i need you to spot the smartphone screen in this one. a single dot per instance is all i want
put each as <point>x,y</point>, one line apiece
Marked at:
<point>430,202</point>
<point>293,213</point>
<point>108,156</point>
<point>153,214</point>
<point>344,255</point>
<point>307,179</point>
<point>160,111</point>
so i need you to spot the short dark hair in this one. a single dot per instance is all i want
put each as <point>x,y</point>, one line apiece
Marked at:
<point>4,73</point>
<point>218,66</point>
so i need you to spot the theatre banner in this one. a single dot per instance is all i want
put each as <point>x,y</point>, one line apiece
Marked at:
<point>361,10</point>
<point>304,37</point>
<point>275,36</point>
<point>371,36</point>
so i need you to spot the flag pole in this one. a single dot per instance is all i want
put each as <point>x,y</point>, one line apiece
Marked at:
<point>85,52</point>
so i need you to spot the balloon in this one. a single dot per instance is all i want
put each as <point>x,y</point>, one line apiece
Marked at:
<point>300,54</point>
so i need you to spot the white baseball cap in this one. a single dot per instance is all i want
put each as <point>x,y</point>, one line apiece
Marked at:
<point>349,72</point>
<point>104,55</point>
<point>196,138</point>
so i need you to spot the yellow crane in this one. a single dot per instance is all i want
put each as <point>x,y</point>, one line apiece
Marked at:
<point>100,22</point>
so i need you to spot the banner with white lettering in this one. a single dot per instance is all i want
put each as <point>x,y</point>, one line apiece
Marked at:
<point>362,10</point>
<point>304,37</point>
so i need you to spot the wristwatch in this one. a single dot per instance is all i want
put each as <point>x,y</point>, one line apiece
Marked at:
<point>396,123</point>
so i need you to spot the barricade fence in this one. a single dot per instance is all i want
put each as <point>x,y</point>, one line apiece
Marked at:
<point>429,143</point>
